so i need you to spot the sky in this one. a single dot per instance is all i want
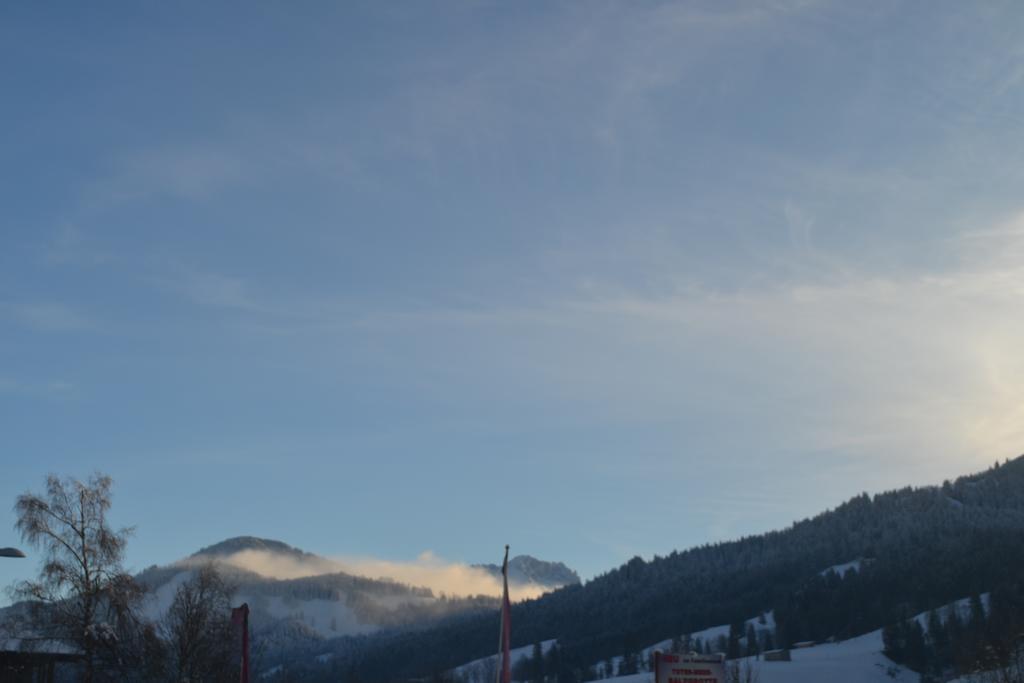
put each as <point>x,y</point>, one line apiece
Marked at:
<point>596,279</point>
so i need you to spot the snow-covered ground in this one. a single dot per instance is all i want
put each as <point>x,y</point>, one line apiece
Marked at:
<point>858,660</point>
<point>712,634</point>
<point>841,569</point>
<point>709,635</point>
<point>963,610</point>
<point>483,669</point>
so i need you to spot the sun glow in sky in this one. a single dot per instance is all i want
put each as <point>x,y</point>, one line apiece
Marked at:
<point>593,279</point>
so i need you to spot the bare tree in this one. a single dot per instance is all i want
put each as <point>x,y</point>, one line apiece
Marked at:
<point>83,595</point>
<point>197,629</point>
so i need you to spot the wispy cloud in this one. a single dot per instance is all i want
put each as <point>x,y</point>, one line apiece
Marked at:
<point>40,388</point>
<point>427,570</point>
<point>217,290</point>
<point>49,317</point>
<point>836,357</point>
<point>71,245</point>
<point>921,365</point>
<point>272,310</point>
<point>189,171</point>
<point>590,72</point>
<point>258,153</point>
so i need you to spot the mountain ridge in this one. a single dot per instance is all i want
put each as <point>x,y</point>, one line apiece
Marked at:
<point>295,613</point>
<point>236,544</point>
<point>526,569</point>
<point>926,545</point>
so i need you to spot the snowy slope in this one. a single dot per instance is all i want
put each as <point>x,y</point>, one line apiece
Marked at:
<point>841,569</point>
<point>709,635</point>
<point>858,660</point>
<point>963,609</point>
<point>482,670</point>
<point>327,618</point>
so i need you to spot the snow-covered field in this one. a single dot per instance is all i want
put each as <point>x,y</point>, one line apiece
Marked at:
<point>858,660</point>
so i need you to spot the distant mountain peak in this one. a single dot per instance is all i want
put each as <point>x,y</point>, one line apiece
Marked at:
<point>523,569</point>
<point>237,544</point>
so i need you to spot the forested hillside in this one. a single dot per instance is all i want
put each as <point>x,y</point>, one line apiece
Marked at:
<point>922,547</point>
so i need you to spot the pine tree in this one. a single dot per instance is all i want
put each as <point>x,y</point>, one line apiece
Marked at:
<point>977,618</point>
<point>917,648</point>
<point>733,646</point>
<point>894,641</point>
<point>938,640</point>
<point>752,645</point>
<point>553,662</point>
<point>537,664</point>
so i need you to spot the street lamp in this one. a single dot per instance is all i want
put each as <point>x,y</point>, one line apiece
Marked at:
<point>11,552</point>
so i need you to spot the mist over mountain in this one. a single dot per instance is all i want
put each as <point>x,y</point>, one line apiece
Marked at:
<point>299,599</point>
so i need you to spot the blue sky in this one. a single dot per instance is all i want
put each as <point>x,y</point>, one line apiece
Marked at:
<point>593,279</point>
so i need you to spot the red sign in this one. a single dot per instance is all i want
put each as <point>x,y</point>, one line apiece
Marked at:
<point>688,668</point>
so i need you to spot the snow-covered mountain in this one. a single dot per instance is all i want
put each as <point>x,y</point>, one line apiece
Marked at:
<point>525,570</point>
<point>297,598</point>
<point>231,546</point>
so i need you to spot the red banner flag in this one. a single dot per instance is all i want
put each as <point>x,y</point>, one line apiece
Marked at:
<point>240,617</point>
<point>505,636</point>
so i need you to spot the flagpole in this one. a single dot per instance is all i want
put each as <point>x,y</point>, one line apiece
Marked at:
<point>240,617</point>
<point>503,673</point>
<point>245,644</point>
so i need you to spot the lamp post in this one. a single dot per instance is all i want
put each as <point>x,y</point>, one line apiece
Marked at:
<point>11,552</point>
